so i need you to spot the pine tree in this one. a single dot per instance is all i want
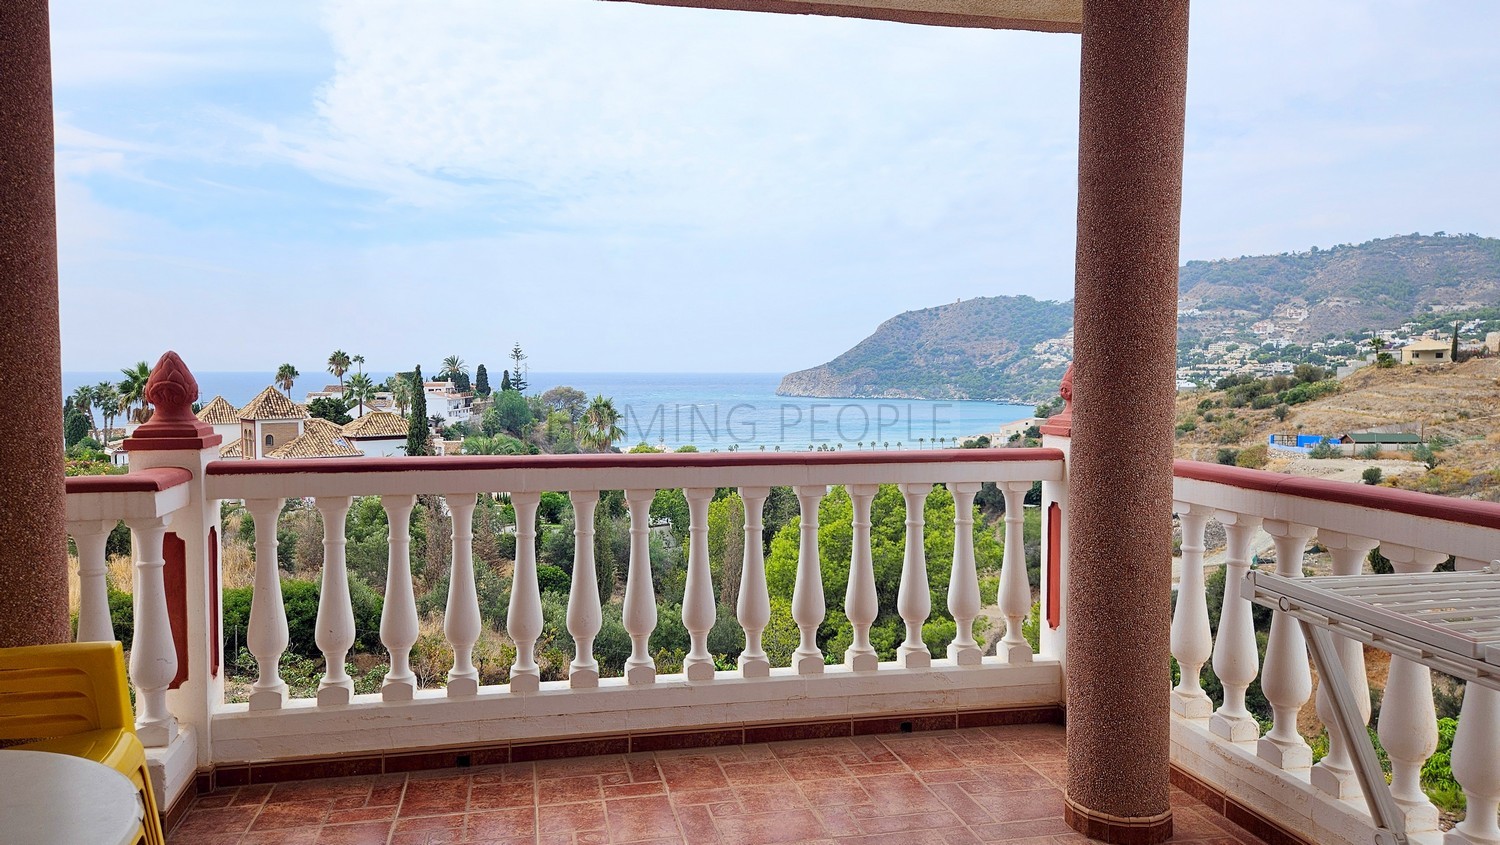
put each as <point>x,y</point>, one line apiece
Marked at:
<point>1453,356</point>
<point>505,381</point>
<point>481,381</point>
<point>418,437</point>
<point>518,372</point>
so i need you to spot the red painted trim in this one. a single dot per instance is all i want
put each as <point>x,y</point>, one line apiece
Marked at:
<point>215,617</point>
<point>174,574</point>
<point>140,481</point>
<point>1054,565</point>
<point>1409,502</point>
<point>471,463</point>
<point>910,16</point>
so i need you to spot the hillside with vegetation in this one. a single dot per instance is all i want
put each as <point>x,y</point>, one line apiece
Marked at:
<point>975,349</point>
<point>1252,311</point>
<point>1455,408</point>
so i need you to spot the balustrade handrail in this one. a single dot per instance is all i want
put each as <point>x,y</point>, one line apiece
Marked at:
<point>157,480</point>
<point>537,473</point>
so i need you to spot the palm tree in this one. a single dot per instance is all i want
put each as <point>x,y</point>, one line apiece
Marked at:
<point>83,400</point>
<point>338,364</point>
<point>453,367</point>
<point>133,390</point>
<point>601,424</point>
<point>107,400</point>
<point>286,376</point>
<point>399,386</point>
<point>359,361</point>
<point>359,389</point>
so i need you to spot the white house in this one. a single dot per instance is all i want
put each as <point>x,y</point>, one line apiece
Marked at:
<point>223,417</point>
<point>379,434</point>
<point>270,421</point>
<point>443,401</point>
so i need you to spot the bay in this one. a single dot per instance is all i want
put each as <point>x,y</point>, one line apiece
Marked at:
<point>708,410</point>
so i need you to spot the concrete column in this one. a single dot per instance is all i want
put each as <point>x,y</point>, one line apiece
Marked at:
<point>33,559</point>
<point>1133,87</point>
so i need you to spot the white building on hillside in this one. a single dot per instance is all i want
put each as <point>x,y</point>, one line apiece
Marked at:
<point>378,434</point>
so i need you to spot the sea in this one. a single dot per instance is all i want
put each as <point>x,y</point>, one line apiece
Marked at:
<point>712,411</point>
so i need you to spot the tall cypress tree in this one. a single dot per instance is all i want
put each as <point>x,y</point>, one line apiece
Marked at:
<point>1453,356</point>
<point>481,381</point>
<point>418,437</point>
<point>505,381</point>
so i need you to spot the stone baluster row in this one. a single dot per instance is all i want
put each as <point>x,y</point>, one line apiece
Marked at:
<point>268,636</point>
<point>1408,721</point>
<point>153,656</point>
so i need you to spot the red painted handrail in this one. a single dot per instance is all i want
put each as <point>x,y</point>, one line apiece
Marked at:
<point>140,481</point>
<point>1412,503</point>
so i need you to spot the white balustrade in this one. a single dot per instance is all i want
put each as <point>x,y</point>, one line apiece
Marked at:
<point>1334,774</point>
<point>808,608</point>
<point>698,611</point>
<point>639,614</point>
<point>914,597</point>
<point>1287,677</point>
<point>1475,761</point>
<point>1236,657</point>
<point>268,635</point>
<point>1192,642</point>
<point>861,604</point>
<point>963,581</point>
<point>1408,719</point>
<point>91,537</point>
<point>1015,589</point>
<point>584,614</point>
<point>461,616</point>
<point>753,609</point>
<point>398,615</point>
<point>335,623</point>
<point>153,656</point>
<point>524,619</point>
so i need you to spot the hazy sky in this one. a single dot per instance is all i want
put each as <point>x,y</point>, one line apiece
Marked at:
<point>630,188</point>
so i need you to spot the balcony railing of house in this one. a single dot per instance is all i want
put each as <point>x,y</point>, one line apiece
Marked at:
<point>171,499</point>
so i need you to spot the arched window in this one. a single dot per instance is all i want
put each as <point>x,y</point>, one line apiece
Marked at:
<point>270,441</point>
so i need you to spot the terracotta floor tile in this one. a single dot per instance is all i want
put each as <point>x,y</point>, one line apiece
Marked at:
<point>361,814</point>
<point>998,780</point>
<point>642,768</point>
<point>1020,806</point>
<point>502,795</point>
<point>895,795</point>
<point>364,833</point>
<point>569,790</point>
<point>834,792</point>
<point>691,772</point>
<point>757,772</point>
<point>499,824</point>
<point>504,773</point>
<point>635,790</point>
<point>764,828</point>
<point>717,795</point>
<point>306,836</point>
<point>218,820</point>
<point>571,818</point>
<point>435,796</point>
<point>292,814</point>
<point>936,820</point>
<point>814,768</point>
<point>697,825</point>
<point>635,819</point>
<point>313,790</point>
<point>579,766</point>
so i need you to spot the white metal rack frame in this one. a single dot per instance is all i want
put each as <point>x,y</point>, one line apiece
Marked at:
<point>1448,621</point>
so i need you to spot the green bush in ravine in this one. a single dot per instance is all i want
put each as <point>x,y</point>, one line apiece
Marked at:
<point>301,601</point>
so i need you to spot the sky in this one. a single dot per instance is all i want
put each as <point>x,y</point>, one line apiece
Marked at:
<point>627,188</point>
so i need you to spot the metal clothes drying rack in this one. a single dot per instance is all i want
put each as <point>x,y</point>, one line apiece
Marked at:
<point>1448,621</point>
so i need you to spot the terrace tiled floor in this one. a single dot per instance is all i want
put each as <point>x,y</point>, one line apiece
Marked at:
<point>941,788</point>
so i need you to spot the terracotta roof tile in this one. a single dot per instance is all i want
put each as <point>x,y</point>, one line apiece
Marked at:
<point>317,441</point>
<point>231,449</point>
<point>272,404</point>
<point>219,412</point>
<point>377,424</point>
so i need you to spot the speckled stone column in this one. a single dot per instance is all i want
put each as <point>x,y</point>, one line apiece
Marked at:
<point>1133,89</point>
<point>33,561</point>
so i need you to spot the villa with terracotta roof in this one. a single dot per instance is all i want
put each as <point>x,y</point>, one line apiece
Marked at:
<point>378,433</point>
<point>223,416</point>
<point>270,420</point>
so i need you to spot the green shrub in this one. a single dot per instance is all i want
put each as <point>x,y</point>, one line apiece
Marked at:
<point>1371,475</point>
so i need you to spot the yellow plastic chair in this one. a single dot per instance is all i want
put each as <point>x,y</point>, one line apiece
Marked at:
<point>72,699</point>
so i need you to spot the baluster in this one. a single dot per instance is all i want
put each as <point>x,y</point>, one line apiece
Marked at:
<point>861,603</point>
<point>914,598</point>
<point>335,633</point>
<point>1334,774</point>
<point>524,619</point>
<point>963,582</point>
<point>1287,678</point>
<point>1192,643</point>
<point>808,607</point>
<point>398,616</point>
<point>91,537</point>
<point>1015,589</point>
<point>1408,719</point>
<point>153,656</point>
<point>268,635</point>
<point>584,617</point>
<point>1236,656</point>
<point>698,611</point>
<point>1476,767</point>
<point>640,596</point>
<point>754,607</point>
<point>461,616</point>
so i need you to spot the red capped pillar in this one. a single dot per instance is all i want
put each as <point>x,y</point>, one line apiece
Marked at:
<point>33,505</point>
<point>1133,91</point>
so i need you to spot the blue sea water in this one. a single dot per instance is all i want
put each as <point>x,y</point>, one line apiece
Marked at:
<point>708,410</point>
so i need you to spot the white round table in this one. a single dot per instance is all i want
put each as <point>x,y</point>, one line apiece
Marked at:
<point>55,799</point>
